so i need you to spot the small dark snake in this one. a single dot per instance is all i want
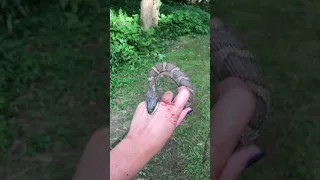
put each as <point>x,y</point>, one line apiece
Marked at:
<point>169,70</point>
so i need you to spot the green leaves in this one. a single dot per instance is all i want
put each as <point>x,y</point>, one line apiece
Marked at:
<point>131,44</point>
<point>12,9</point>
<point>183,20</point>
<point>76,4</point>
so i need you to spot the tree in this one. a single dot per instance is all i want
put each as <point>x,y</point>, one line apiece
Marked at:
<point>149,13</point>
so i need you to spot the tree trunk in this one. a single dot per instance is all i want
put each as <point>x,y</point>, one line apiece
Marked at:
<point>149,13</point>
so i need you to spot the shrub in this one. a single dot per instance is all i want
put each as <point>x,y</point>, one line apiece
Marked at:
<point>130,43</point>
<point>10,10</point>
<point>183,21</point>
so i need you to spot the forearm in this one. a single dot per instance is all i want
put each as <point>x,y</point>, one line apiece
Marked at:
<point>128,158</point>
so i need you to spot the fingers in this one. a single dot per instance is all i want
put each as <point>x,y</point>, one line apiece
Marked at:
<point>181,99</point>
<point>183,115</point>
<point>239,161</point>
<point>141,109</point>
<point>229,117</point>
<point>167,97</point>
<point>179,102</point>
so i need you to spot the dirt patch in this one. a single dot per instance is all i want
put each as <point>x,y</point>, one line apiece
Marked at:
<point>119,125</point>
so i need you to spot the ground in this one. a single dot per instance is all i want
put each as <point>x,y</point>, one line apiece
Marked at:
<point>182,157</point>
<point>284,37</point>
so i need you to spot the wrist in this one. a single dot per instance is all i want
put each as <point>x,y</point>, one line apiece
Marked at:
<point>128,158</point>
<point>142,145</point>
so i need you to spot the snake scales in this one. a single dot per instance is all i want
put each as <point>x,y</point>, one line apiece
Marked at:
<point>169,70</point>
<point>230,58</point>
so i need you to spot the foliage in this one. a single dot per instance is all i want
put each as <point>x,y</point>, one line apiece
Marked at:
<point>42,59</point>
<point>202,4</point>
<point>128,40</point>
<point>12,10</point>
<point>53,91</point>
<point>131,44</point>
<point>183,21</point>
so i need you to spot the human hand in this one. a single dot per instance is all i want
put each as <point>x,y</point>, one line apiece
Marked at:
<point>229,117</point>
<point>154,130</point>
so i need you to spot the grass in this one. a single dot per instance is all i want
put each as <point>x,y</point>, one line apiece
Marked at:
<point>53,92</point>
<point>182,156</point>
<point>284,37</point>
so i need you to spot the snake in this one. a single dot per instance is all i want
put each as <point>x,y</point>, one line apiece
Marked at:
<point>231,58</point>
<point>165,69</point>
<point>152,95</point>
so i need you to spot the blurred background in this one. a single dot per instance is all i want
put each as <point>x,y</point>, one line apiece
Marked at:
<point>53,88</point>
<point>284,38</point>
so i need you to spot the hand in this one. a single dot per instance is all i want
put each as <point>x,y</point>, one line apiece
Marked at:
<point>154,130</point>
<point>230,115</point>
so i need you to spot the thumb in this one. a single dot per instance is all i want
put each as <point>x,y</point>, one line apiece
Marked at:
<point>239,160</point>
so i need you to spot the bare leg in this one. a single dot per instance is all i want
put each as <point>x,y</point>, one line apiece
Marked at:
<point>233,108</point>
<point>94,163</point>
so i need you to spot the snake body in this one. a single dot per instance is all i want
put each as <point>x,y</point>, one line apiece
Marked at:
<point>169,70</point>
<point>230,58</point>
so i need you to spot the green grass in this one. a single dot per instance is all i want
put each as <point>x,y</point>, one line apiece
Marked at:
<point>53,92</point>
<point>182,157</point>
<point>284,37</point>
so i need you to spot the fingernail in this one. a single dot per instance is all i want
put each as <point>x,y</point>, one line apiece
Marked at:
<point>255,159</point>
<point>189,111</point>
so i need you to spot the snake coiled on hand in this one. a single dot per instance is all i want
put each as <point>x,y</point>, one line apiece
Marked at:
<point>169,70</point>
<point>230,58</point>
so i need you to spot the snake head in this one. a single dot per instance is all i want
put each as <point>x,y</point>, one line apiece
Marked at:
<point>152,102</point>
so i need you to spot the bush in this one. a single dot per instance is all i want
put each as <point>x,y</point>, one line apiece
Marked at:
<point>10,10</point>
<point>130,43</point>
<point>128,40</point>
<point>183,21</point>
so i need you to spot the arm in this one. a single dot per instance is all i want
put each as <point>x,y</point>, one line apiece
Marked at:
<point>128,158</point>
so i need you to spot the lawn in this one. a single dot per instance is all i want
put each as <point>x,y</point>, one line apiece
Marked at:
<point>284,37</point>
<point>183,154</point>
<point>53,91</point>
